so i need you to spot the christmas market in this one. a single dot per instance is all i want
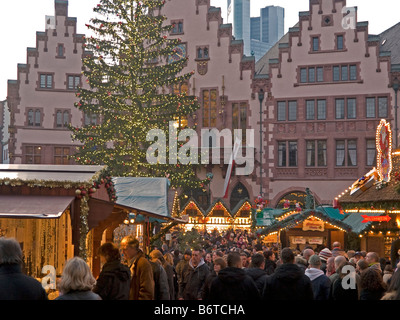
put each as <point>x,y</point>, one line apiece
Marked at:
<point>373,201</point>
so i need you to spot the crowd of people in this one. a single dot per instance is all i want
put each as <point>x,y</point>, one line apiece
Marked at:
<point>230,266</point>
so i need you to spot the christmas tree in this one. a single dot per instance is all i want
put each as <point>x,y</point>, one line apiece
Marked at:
<point>131,79</point>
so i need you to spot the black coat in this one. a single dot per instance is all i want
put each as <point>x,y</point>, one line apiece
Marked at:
<point>14,285</point>
<point>288,283</point>
<point>113,282</point>
<point>270,266</point>
<point>258,275</point>
<point>196,279</point>
<point>233,284</point>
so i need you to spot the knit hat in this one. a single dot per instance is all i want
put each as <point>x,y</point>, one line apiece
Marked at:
<point>325,254</point>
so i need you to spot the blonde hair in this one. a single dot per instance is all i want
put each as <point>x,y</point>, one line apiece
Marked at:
<point>76,276</point>
<point>169,258</point>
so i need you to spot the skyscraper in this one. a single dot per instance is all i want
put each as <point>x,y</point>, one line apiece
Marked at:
<point>266,30</point>
<point>239,17</point>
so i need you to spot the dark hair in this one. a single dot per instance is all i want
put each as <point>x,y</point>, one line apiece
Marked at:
<point>110,251</point>
<point>233,259</point>
<point>10,251</point>
<point>268,253</point>
<point>371,279</point>
<point>221,262</point>
<point>287,255</point>
<point>394,286</point>
<point>256,260</point>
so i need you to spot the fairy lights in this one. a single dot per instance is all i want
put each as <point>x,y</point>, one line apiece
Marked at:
<point>384,150</point>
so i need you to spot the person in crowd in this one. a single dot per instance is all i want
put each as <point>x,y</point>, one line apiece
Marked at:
<point>170,268</point>
<point>161,281</point>
<point>339,261</point>
<point>358,256</point>
<point>330,266</point>
<point>14,284</point>
<point>301,262</point>
<point>182,269</point>
<point>270,262</point>
<point>288,281</point>
<point>372,259</point>
<point>218,265</point>
<point>319,281</point>
<point>307,253</point>
<point>387,274</point>
<point>344,289</point>
<point>393,291</point>
<point>208,260</point>
<point>142,278</point>
<point>256,271</point>
<point>114,280</point>
<point>196,276</point>
<point>372,285</point>
<point>350,254</point>
<point>337,249</point>
<point>177,257</point>
<point>395,253</point>
<point>362,265</point>
<point>243,257</point>
<point>77,281</point>
<point>232,282</point>
<point>324,255</point>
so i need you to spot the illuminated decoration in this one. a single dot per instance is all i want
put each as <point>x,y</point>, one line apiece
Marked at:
<point>364,182</point>
<point>384,150</point>
<point>313,225</point>
<point>130,90</point>
<point>179,53</point>
<point>375,219</point>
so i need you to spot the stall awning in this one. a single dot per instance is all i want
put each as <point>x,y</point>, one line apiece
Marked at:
<point>20,206</point>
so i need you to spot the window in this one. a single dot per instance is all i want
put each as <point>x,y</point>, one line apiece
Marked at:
<point>370,108</point>
<point>177,27</point>
<point>60,51</point>
<point>345,73</point>
<point>320,74</point>
<point>61,155</point>
<point>62,118</point>
<point>353,72</point>
<point>33,154</point>
<point>73,82</point>
<point>209,108</point>
<point>351,108</point>
<point>315,43</point>
<point>34,118</point>
<point>310,110</point>
<point>287,154</point>
<point>382,107</point>
<point>339,42</point>
<point>239,118</point>
<point>181,88</point>
<point>371,152</point>
<point>292,112</point>
<point>321,110</point>
<point>336,73</point>
<point>316,153</point>
<point>281,111</point>
<point>90,119</point>
<point>311,75</point>
<point>202,53</point>
<point>303,75</point>
<point>46,81</point>
<point>346,156</point>
<point>339,108</point>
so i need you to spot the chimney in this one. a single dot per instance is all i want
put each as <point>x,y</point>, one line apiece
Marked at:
<point>61,7</point>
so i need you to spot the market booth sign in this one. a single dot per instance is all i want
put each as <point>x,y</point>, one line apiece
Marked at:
<point>313,225</point>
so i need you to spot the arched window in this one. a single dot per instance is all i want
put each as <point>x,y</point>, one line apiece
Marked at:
<point>238,193</point>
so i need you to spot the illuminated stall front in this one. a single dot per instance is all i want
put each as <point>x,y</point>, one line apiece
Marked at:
<point>218,216</point>
<point>373,201</point>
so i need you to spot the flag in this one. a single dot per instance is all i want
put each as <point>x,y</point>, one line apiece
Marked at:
<point>231,164</point>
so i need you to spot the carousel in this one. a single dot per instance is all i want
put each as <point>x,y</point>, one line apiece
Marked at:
<point>373,201</point>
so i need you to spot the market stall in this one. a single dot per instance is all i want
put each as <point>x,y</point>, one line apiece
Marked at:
<point>373,201</point>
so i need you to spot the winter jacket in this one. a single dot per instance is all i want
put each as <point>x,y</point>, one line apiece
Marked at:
<point>79,295</point>
<point>233,284</point>
<point>372,295</point>
<point>270,266</point>
<point>339,293</point>
<point>394,253</point>
<point>14,285</point>
<point>258,275</point>
<point>171,277</point>
<point>195,281</point>
<point>113,282</point>
<point>182,273</point>
<point>161,287</point>
<point>320,283</point>
<point>288,283</point>
<point>142,279</point>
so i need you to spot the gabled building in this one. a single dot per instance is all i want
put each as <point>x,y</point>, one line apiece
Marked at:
<point>41,99</point>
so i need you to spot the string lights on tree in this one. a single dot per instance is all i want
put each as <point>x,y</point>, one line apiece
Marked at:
<point>130,80</point>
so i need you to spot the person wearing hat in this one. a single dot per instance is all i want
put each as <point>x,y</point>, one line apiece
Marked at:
<point>324,255</point>
<point>319,281</point>
<point>182,270</point>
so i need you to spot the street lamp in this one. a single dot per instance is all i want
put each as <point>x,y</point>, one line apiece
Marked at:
<point>395,86</point>
<point>261,99</point>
